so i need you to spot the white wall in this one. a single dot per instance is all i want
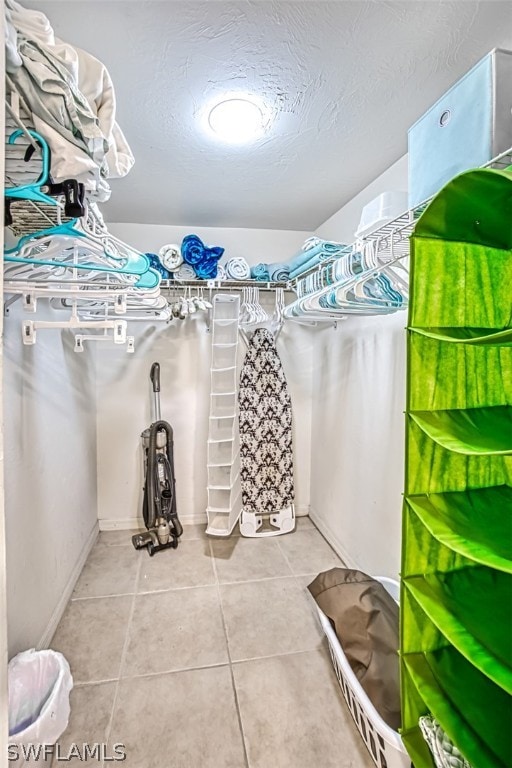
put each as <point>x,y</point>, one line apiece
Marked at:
<point>255,245</point>
<point>357,442</point>
<point>4,730</point>
<point>183,350</point>
<point>50,476</point>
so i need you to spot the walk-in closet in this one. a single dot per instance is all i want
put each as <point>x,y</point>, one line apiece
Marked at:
<point>256,384</point>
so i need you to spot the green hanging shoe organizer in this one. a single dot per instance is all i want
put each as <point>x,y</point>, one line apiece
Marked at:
<point>456,591</point>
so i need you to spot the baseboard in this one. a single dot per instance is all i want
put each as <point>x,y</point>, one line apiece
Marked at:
<point>132,523</point>
<point>333,540</point>
<point>56,616</point>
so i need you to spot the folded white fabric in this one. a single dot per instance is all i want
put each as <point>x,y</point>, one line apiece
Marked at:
<point>170,256</point>
<point>12,57</point>
<point>34,25</point>
<point>96,85</point>
<point>72,100</point>
<point>237,269</point>
<point>185,272</point>
<point>444,752</point>
<point>221,272</point>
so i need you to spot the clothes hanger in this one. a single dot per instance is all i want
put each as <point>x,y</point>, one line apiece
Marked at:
<point>366,293</point>
<point>33,191</point>
<point>31,274</point>
<point>66,241</point>
<point>91,226</point>
<point>76,322</point>
<point>69,255</point>
<point>43,190</point>
<point>256,317</point>
<point>158,310</point>
<point>334,297</point>
<point>385,285</point>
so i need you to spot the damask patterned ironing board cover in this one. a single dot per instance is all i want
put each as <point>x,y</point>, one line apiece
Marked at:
<point>265,420</point>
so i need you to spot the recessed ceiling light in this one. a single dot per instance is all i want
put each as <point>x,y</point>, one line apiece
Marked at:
<point>236,120</point>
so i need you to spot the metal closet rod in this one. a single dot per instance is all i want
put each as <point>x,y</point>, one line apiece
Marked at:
<point>219,285</point>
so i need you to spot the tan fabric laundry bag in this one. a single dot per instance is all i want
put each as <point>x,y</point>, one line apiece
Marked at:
<point>365,619</point>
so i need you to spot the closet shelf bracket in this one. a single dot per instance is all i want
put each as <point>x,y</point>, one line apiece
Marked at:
<point>8,302</point>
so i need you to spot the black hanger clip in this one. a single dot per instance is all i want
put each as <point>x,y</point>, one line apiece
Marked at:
<point>74,194</point>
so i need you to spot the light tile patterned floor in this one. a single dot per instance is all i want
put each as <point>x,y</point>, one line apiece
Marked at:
<point>208,656</point>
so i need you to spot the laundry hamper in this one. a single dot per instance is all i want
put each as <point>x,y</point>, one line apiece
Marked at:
<point>383,743</point>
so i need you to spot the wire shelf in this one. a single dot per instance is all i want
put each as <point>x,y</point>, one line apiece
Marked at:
<point>220,285</point>
<point>392,239</point>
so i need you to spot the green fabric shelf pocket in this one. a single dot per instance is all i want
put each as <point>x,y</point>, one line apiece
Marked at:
<point>461,265</point>
<point>456,694</point>
<point>446,366</point>
<point>424,553</point>
<point>475,207</point>
<point>476,336</point>
<point>435,469</point>
<point>459,605</point>
<point>473,431</point>
<point>476,523</point>
<point>468,275</point>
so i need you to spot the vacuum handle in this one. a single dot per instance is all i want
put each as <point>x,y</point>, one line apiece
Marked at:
<point>155,376</point>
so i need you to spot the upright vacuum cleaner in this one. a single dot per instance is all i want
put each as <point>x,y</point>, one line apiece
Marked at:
<point>159,503</point>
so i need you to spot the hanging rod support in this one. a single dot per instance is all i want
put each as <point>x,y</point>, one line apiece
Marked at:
<point>8,302</point>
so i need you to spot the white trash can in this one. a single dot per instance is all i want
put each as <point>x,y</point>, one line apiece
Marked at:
<point>39,686</point>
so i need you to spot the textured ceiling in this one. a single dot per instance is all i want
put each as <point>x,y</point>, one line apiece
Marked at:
<point>343,82</point>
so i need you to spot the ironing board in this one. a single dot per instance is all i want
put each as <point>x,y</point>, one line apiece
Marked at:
<point>266,451</point>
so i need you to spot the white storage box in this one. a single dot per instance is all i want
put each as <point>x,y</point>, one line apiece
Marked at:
<point>385,208</point>
<point>470,125</point>
<point>383,743</point>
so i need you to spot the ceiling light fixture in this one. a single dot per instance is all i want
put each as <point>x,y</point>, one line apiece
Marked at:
<point>236,120</point>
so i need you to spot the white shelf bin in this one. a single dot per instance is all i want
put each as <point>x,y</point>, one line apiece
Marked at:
<point>387,207</point>
<point>222,428</point>
<point>224,380</point>
<point>223,499</point>
<point>226,307</point>
<point>224,355</point>
<point>222,453</point>
<point>222,405</point>
<point>224,476</point>
<point>383,743</point>
<point>222,523</point>
<point>225,331</point>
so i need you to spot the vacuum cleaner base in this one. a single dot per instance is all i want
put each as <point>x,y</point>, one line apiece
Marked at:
<point>149,539</point>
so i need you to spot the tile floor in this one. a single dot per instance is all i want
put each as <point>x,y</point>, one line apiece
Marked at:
<point>208,656</point>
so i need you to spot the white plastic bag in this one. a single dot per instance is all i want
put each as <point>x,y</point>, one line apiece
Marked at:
<point>39,687</point>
